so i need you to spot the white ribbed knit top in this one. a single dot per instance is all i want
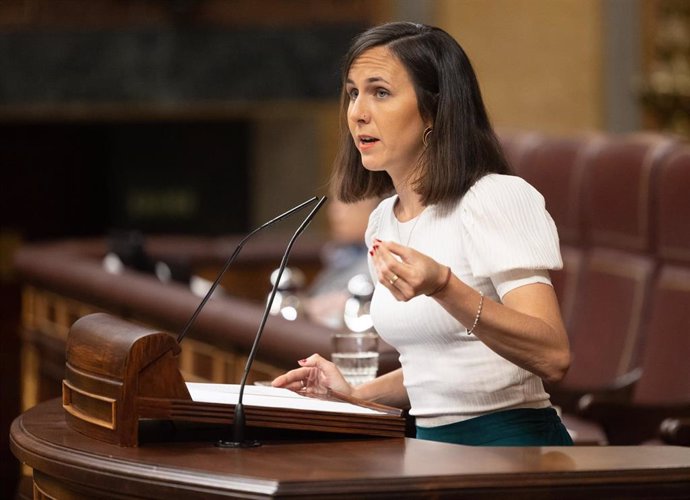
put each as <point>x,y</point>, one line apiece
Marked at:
<point>498,237</point>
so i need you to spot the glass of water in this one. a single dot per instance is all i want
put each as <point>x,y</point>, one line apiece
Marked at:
<point>356,355</point>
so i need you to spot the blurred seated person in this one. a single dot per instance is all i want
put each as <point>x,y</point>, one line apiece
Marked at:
<point>343,257</point>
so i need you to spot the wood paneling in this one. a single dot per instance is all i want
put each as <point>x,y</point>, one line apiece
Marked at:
<point>539,63</point>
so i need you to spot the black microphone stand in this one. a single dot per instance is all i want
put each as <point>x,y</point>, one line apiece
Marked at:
<point>239,420</point>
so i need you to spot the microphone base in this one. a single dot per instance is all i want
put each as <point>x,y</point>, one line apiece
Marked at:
<point>238,444</point>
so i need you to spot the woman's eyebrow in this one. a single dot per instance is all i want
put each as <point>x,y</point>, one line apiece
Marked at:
<point>371,79</point>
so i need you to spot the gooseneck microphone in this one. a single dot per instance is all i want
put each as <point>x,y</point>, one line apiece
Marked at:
<point>239,421</point>
<point>232,258</point>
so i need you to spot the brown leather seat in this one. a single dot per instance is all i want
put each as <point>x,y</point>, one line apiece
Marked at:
<point>618,266</point>
<point>666,371</point>
<point>617,269</point>
<point>663,388</point>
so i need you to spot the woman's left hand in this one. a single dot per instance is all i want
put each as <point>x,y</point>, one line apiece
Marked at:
<point>406,272</point>
<point>316,375</point>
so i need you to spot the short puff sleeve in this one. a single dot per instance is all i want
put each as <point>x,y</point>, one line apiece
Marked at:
<point>506,227</point>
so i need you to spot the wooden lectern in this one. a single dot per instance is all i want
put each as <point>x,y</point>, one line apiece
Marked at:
<point>118,373</point>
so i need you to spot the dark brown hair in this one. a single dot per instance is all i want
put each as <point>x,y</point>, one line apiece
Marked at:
<point>462,147</point>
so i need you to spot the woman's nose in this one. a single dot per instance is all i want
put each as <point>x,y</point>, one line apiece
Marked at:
<point>359,111</point>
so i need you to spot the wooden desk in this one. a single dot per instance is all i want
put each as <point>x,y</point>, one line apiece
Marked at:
<point>69,465</point>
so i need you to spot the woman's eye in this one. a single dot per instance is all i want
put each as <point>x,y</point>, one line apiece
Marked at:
<point>382,93</point>
<point>353,93</point>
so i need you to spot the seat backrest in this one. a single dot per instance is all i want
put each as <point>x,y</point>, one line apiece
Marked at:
<point>618,267</point>
<point>665,376</point>
<point>617,192</point>
<point>555,167</point>
<point>673,212</point>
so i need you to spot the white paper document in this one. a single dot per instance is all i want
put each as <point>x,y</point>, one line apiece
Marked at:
<point>271,397</point>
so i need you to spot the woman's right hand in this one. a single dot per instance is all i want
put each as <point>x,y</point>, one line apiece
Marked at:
<point>316,374</point>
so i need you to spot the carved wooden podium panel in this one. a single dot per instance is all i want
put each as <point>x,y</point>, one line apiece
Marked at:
<point>111,363</point>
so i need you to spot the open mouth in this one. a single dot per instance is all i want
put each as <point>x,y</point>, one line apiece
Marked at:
<point>364,139</point>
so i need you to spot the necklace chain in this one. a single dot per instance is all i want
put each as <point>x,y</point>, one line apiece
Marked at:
<point>409,235</point>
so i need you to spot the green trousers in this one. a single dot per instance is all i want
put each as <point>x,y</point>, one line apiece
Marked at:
<point>521,427</point>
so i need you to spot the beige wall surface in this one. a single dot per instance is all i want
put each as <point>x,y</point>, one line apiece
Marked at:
<point>539,62</point>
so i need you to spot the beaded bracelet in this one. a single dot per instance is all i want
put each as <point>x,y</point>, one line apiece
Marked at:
<point>479,313</point>
<point>443,285</point>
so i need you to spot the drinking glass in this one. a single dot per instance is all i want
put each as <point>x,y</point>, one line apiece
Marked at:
<point>356,355</point>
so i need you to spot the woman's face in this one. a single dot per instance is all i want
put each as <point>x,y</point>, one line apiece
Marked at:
<point>382,115</point>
